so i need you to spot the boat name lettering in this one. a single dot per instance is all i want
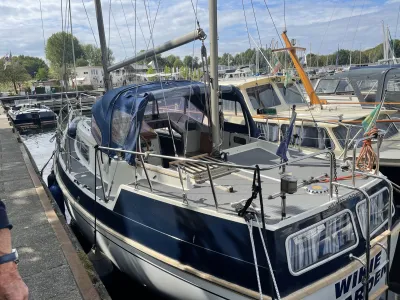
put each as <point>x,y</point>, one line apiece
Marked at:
<point>351,287</point>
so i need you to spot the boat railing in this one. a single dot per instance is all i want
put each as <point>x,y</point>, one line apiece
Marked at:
<point>209,164</point>
<point>368,243</point>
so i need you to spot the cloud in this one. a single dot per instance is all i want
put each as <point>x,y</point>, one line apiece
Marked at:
<point>322,24</point>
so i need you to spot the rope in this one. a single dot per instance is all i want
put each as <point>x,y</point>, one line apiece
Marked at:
<point>250,226</point>
<point>90,24</point>
<point>45,165</point>
<point>358,23</point>
<point>268,259</point>
<point>367,157</point>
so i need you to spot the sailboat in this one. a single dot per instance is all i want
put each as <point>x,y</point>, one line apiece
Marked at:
<point>234,217</point>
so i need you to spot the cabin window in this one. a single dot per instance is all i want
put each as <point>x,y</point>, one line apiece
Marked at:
<point>309,136</point>
<point>83,148</point>
<point>327,86</point>
<point>321,242</point>
<point>392,91</point>
<point>263,96</point>
<point>379,211</point>
<point>344,87</point>
<point>292,94</point>
<point>233,112</point>
<point>269,131</point>
<point>341,130</point>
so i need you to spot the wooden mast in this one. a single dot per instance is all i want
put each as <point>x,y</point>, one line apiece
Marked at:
<point>314,99</point>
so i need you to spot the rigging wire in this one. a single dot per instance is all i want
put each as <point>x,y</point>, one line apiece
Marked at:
<point>326,31</point>
<point>255,19</point>
<point>397,23</point>
<point>119,33</point>
<point>273,22</point>
<point>127,26</point>
<point>138,22</point>
<point>284,14</point>
<point>163,94</point>
<point>358,23</point>
<point>90,24</point>
<point>196,23</point>
<point>109,31</point>
<point>348,20</point>
<point>73,47</point>
<point>247,27</point>
<point>41,17</point>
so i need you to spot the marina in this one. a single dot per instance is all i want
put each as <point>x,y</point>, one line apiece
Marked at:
<point>269,174</point>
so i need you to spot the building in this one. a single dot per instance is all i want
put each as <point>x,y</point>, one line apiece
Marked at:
<point>89,75</point>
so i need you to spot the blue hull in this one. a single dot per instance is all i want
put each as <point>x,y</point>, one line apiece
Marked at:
<point>216,246</point>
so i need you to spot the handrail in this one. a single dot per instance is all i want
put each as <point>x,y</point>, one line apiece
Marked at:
<point>390,217</point>
<point>367,234</point>
<point>235,166</point>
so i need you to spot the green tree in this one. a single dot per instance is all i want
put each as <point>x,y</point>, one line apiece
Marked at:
<point>167,70</point>
<point>42,74</point>
<point>170,59</point>
<point>178,63</point>
<point>13,73</point>
<point>92,55</point>
<point>31,64</point>
<point>81,62</point>
<point>57,43</point>
<point>187,61</point>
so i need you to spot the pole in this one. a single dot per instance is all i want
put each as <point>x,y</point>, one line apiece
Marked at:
<point>187,38</point>
<point>103,44</point>
<point>214,105</point>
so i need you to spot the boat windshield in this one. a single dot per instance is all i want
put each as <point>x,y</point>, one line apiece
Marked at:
<point>177,104</point>
<point>334,86</point>
<point>356,131</point>
<point>264,96</point>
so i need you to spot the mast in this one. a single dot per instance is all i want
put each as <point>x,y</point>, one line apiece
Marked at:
<point>103,44</point>
<point>214,105</point>
<point>314,99</point>
<point>385,50</point>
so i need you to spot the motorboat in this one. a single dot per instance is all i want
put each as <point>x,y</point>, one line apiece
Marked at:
<point>28,115</point>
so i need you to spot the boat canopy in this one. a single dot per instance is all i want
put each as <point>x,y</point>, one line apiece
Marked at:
<point>117,116</point>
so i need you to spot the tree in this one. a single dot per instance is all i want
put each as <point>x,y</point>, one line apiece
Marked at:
<point>92,55</point>
<point>187,61</point>
<point>31,64</point>
<point>81,62</point>
<point>13,73</point>
<point>57,43</point>
<point>178,63</point>
<point>170,59</point>
<point>42,74</point>
<point>167,70</point>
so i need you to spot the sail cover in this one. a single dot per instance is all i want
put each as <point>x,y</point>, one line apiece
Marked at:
<point>117,118</point>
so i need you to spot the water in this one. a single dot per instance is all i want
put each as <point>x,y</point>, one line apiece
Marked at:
<point>118,285</point>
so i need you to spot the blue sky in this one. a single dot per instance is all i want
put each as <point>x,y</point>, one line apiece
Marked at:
<point>324,24</point>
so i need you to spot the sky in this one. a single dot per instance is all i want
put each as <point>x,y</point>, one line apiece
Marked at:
<point>323,25</point>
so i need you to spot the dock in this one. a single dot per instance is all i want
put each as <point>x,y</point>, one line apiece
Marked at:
<point>50,262</point>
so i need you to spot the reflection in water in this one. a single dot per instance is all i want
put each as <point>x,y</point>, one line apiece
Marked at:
<point>118,285</point>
